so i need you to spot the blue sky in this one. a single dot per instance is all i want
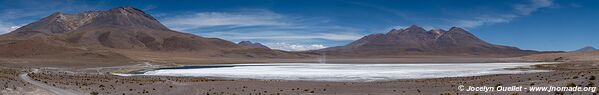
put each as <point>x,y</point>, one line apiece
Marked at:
<point>311,24</point>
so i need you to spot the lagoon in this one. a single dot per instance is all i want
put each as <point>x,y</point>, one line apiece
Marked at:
<point>343,72</point>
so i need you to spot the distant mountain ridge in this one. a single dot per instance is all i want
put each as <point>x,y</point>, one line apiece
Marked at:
<point>415,40</point>
<point>586,49</point>
<point>252,44</point>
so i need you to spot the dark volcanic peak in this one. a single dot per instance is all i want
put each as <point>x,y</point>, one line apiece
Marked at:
<point>415,40</point>
<point>251,44</point>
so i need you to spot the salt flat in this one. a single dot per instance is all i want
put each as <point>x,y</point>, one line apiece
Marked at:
<point>344,72</point>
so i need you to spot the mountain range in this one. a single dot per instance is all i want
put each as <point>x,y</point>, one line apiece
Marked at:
<point>415,40</point>
<point>586,49</point>
<point>127,33</point>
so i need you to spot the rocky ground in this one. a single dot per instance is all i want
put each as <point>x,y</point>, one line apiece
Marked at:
<point>10,84</point>
<point>566,74</point>
<point>98,80</point>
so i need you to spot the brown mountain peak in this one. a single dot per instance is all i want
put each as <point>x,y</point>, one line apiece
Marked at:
<point>56,14</point>
<point>456,29</point>
<point>60,23</point>
<point>416,41</point>
<point>252,44</point>
<point>415,28</point>
<point>125,8</point>
<point>121,27</point>
<point>131,10</point>
<point>114,33</point>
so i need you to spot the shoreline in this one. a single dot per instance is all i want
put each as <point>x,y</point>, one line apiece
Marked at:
<point>249,63</point>
<point>139,72</point>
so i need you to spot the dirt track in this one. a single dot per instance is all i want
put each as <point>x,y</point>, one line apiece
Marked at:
<point>55,90</point>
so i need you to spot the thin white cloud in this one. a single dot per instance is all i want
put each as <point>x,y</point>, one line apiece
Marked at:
<point>260,25</point>
<point>11,18</point>
<point>234,19</point>
<point>7,27</point>
<point>283,35</point>
<point>526,9</point>
<point>519,10</point>
<point>384,9</point>
<point>295,47</point>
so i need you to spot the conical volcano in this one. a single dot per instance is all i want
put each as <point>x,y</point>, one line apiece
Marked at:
<point>120,30</point>
<point>415,40</point>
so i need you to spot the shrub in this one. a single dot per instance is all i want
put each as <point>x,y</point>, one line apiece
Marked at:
<point>94,93</point>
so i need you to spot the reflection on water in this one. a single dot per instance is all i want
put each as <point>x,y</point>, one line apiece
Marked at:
<point>343,72</point>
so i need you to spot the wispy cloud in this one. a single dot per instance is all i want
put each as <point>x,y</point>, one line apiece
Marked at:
<point>534,5</point>
<point>264,26</point>
<point>231,19</point>
<point>295,47</point>
<point>282,35</point>
<point>519,10</point>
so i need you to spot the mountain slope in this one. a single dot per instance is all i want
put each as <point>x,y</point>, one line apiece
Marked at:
<point>117,31</point>
<point>415,40</point>
<point>122,28</point>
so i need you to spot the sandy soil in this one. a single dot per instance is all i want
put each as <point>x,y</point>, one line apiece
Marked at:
<point>577,73</point>
<point>98,80</point>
